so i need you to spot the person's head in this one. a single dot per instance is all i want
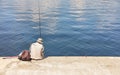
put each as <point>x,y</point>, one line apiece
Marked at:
<point>40,40</point>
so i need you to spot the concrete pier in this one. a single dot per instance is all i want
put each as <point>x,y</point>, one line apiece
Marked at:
<point>61,66</point>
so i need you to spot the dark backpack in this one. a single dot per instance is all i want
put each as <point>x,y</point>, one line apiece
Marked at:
<point>25,56</point>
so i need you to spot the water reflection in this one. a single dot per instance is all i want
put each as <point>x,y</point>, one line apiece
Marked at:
<point>76,9</point>
<point>107,16</point>
<point>48,15</point>
<point>28,10</point>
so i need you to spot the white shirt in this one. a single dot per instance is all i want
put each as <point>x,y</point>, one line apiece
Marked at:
<point>36,51</point>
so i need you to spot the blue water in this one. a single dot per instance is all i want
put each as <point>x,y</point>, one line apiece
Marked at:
<point>69,27</point>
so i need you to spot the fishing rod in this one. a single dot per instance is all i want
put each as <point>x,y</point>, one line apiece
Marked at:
<point>40,35</point>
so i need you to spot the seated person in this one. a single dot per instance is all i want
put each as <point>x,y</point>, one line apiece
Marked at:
<point>37,49</point>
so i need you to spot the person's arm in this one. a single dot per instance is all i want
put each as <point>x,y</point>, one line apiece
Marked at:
<point>42,52</point>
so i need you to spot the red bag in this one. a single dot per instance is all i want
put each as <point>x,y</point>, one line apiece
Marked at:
<point>25,56</point>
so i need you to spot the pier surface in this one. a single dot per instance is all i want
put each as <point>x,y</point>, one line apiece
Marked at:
<point>61,66</point>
